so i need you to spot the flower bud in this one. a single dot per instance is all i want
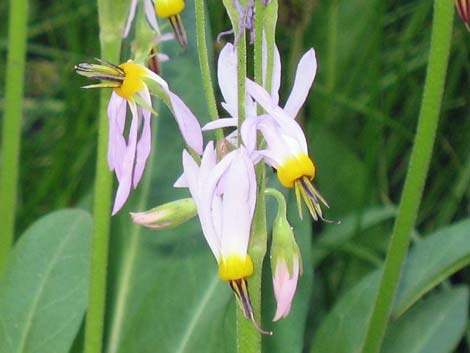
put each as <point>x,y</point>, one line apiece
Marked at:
<point>168,215</point>
<point>285,265</point>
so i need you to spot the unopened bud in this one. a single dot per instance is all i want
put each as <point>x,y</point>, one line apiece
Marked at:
<point>286,263</point>
<point>168,215</point>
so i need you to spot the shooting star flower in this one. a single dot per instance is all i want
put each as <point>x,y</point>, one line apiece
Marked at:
<point>287,150</point>
<point>221,191</point>
<point>128,157</point>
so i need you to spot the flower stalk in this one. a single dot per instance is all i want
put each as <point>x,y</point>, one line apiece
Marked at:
<point>204,63</point>
<point>416,175</point>
<point>111,20</point>
<point>12,119</point>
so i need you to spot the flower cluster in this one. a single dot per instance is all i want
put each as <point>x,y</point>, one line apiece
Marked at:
<point>221,181</point>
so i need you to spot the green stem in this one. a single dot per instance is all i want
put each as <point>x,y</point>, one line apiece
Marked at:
<point>417,171</point>
<point>241,54</point>
<point>204,63</point>
<point>258,50</point>
<point>11,137</point>
<point>94,325</point>
<point>281,201</point>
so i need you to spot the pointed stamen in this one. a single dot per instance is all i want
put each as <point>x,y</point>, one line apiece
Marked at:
<point>312,198</point>
<point>240,288</point>
<point>178,28</point>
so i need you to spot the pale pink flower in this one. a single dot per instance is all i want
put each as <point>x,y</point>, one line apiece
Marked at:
<point>127,156</point>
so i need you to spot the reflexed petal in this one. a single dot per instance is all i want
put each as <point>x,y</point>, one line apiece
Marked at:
<point>306,71</point>
<point>191,174</point>
<point>187,122</point>
<point>276,80</point>
<point>285,287</point>
<point>117,108</point>
<point>127,165</point>
<point>144,145</point>
<point>220,123</point>
<point>150,15</point>
<point>162,57</point>
<point>288,125</point>
<point>208,162</point>
<point>228,78</point>
<point>130,17</point>
<point>238,205</point>
<point>181,182</point>
<point>276,142</point>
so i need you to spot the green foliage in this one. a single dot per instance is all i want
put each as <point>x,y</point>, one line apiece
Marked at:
<point>435,325</point>
<point>44,290</point>
<point>443,252</point>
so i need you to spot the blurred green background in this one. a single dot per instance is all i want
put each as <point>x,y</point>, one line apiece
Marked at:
<point>360,120</point>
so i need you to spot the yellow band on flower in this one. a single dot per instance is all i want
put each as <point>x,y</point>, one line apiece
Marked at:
<point>168,8</point>
<point>295,168</point>
<point>235,267</point>
<point>133,82</point>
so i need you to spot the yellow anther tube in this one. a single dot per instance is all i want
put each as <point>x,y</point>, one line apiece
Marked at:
<point>294,169</point>
<point>168,8</point>
<point>235,267</point>
<point>133,82</point>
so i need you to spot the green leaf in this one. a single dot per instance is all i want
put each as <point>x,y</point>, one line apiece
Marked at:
<point>437,256</point>
<point>434,325</point>
<point>343,329</point>
<point>337,235</point>
<point>341,175</point>
<point>431,261</point>
<point>44,290</point>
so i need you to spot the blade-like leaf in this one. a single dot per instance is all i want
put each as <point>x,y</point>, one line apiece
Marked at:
<point>434,325</point>
<point>349,317</point>
<point>334,237</point>
<point>431,260</point>
<point>44,290</point>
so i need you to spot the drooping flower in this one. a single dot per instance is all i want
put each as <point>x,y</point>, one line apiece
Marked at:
<point>287,147</point>
<point>128,157</point>
<point>287,150</point>
<point>221,190</point>
<point>172,9</point>
<point>149,14</point>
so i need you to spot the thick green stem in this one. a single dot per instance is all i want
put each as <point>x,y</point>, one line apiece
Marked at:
<point>99,257</point>
<point>417,171</point>
<point>11,137</point>
<point>111,18</point>
<point>204,63</point>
